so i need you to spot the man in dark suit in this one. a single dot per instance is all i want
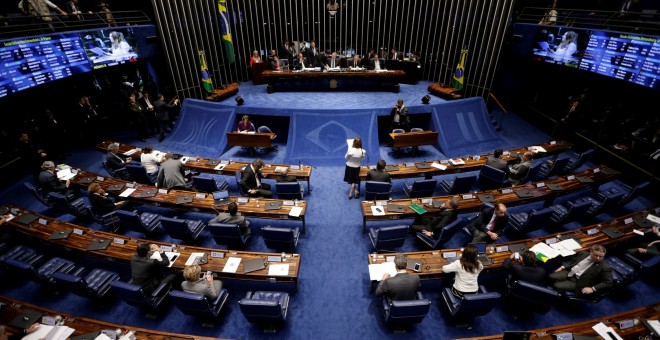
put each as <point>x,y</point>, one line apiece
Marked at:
<point>251,181</point>
<point>300,63</point>
<point>312,53</point>
<point>586,274</point>
<point>524,268</point>
<point>115,163</point>
<point>395,55</point>
<point>379,174</point>
<point>366,61</point>
<point>377,64</point>
<point>147,272</point>
<point>489,224</point>
<point>232,216</point>
<point>149,112</point>
<point>162,112</point>
<point>332,61</point>
<point>49,182</point>
<point>356,62</point>
<point>496,162</point>
<point>101,203</point>
<point>400,286</point>
<point>285,177</point>
<point>31,157</point>
<point>432,227</point>
<point>520,170</point>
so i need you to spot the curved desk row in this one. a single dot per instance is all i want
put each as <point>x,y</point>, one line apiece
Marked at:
<point>410,170</point>
<point>252,207</point>
<point>121,248</point>
<point>385,80</point>
<point>210,165</point>
<point>593,177</point>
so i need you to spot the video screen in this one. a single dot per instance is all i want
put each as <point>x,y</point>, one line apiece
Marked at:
<point>110,46</point>
<point>560,45</point>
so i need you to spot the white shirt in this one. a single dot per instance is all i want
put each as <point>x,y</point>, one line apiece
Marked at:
<point>354,157</point>
<point>464,281</point>
<point>150,162</point>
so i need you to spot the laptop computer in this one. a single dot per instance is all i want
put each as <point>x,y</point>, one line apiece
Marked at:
<point>438,204</point>
<point>149,193</point>
<point>517,248</point>
<point>98,245</point>
<point>25,319</point>
<point>116,187</point>
<point>59,235</point>
<point>254,265</point>
<point>221,198</point>
<point>394,208</point>
<point>612,232</point>
<point>583,337</point>
<point>643,222</point>
<point>391,168</point>
<point>414,265</point>
<point>554,187</point>
<point>584,179</point>
<point>423,165</point>
<point>486,198</point>
<point>481,250</point>
<point>273,205</point>
<point>524,193</point>
<point>25,219</point>
<point>609,171</point>
<point>86,180</point>
<point>184,199</point>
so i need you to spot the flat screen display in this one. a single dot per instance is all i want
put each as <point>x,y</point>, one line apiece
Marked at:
<point>110,47</point>
<point>560,45</point>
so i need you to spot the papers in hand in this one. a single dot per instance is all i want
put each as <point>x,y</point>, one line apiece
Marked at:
<point>194,258</point>
<point>127,192</point>
<point>278,269</point>
<point>377,270</point>
<point>172,256</point>
<point>232,265</point>
<point>536,149</point>
<point>295,211</point>
<point>438,166</point>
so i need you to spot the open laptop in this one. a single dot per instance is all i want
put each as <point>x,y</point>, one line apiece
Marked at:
<point>481,250</point>
<point>613,232</point>
<point>221,198</point>
<point>414,265</point>
<point>273,205</point>
<point>517,248</point>
<point>25,219</point>
<point>254,265</point>
<point>391,168</point>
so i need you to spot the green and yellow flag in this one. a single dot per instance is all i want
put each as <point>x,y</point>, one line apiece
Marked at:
<point>226,30</point>
<point>457,78</point>
<point>206,77</point>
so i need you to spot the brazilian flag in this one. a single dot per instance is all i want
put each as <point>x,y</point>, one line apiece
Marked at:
<point>206,78</point>
<point>226,30</point>
<point>457,79</point>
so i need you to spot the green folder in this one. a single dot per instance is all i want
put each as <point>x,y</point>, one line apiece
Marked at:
<point>417,208</point>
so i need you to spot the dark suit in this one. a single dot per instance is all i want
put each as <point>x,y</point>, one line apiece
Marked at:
<point>479,225</point>
<point>329,62</point>
<point>366,61</point>
<point>249,181</point>
<point>598,276</point>
<point>299,65</point>
<point>519,171</point>
<point>150,114</point>
<point>399,287</point>
<point>162,114</point>
<point>311,55</point>
<point>378,176</point>
<point>227,218</point>
<point>397,56</point>
<point>101,204</point>
<point>48,182</point>
<point>534,275</point>
<point>117,165</point>
<point>148,273</point>
<point>171,174</point>
<point>380,62</point>
<point>435,224</point>
<point>498,163</point>
<point>353,63</point>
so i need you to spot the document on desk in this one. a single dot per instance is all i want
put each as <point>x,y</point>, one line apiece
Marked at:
<point>232,265</point>
<point>377,270</point>
<point>295,211</point>
<point>278,269</point>
<point>377,210</point>
<point>172,256</point>
<point>563,251</point>
<point>194,258</point>
<point>439,166</point>
<point>605,331</point>
<point>65,174</point>
<point>50,332</point>
<point>654,219</point>
<point>127,192</point>
<point>536,149</point>
<point>219,166</point>
<point>544,252</point>
<point>130,152</point>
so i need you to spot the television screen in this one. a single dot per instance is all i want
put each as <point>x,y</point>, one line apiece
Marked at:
<point>110,46</point>
<point>559,45</point>
<point>29,62</point>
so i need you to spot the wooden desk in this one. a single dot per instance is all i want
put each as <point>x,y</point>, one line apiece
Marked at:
<point>123,252</point>
<point>471,164</point>
<point>651,312</point>
<point>510,199</point>
<point>443,91</point>
<point>223,93</point>
<point>257,72</point>
<point>411,68</point>
<point>255,140</point>
<point>13,308</point>
<point>201,164</point>
<point>254,208</point>
<point>433,259</point>
<point>406,139</point>
<point>333,81</point>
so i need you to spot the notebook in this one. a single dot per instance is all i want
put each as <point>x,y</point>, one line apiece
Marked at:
<point>25,219</point>
<point>86,180</point>
<point>150,193</point>
<point>273,205</point>
<point>115,187</point>
<point>98,245</point>
<point>612,232</point>
<point>391,168</point>
<point>395,208</point>
<point>221,198</point>
<point>523,193</point>
<point>414,265</point>
<point>423,165</point>
<point>253,265</point>
<point>481,249</point>
<point>61,234</point>
<point>486,198</point>
<point>554,187</point>
<point>184,199</point>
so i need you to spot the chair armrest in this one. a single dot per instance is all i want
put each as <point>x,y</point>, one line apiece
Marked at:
<point>482,289</point>
<point>222,294</point>
<point>420,296</point>
<point>78,271</point>
<point>249,294</point>
<point>163,288</point>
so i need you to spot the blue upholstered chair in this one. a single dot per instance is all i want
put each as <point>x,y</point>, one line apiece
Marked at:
<point>138,173</point>
<point>577,159</point>
<point>602,202</point>
<point>20,253</point>
<point>229,234</point>
<point>470,306</point>
<point>285,239</point>
<point>142,223</point>
<point>182,229</point>
<point>199,305</point>
<point>532,173</point>
<point>265,308</point>
<point>134,295</point>
<point>289,190</point>
<point>40,272</point>
<point>446,233</point>
<point>420,188</point>
<point>645,267</point>
<point>574,211</point>
<point>95,284</point>
<point>630,192</point>
<point>531,297</point>
<point>374,190</point>
<point>524,222</point>
<point>75,206</point>
<point>208,184</point>
<point>491,178</point>
<point>556,167</point>
<point>623,272</point>
<point>400,314</point>
<point>388,238</point>
<point>460,184</point>
<point>38,193</point>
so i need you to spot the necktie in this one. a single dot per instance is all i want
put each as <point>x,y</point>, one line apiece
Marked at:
<point>333,63</point>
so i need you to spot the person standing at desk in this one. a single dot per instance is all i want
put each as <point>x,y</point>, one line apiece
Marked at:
<point>255,59</point>
<point>354,157</point>
<point>245,125</point>
<point>399,115</point>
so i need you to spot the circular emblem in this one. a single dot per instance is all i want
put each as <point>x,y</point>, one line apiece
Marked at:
<point>458,73</point>
<point>333,83</point>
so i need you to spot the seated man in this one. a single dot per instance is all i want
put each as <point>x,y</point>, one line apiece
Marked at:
<point>284,176</point>
<point>648,249</point>
<point>48,180</point>
<point>379,174</point>
<point>115,163</point>
<point>586,274</point>
<point>171,173</point>
<point>147,272</point>
<point>496,162</point>
<point>251,181</point>
<point>377,64</point>
<point>332,62</point>
<point>101,203</point>
<point>432,227</point>
<point>524,268</point>
<point>232,216</point>
<point>356,62</point>
<point>196,283</point>
<point>489,224</point>
<point>402,286</point>
<point>520,170</point>
<point>300,63</point>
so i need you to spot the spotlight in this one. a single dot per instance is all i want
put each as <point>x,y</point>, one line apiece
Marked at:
<point>426,99</point>
<point>239,100</point>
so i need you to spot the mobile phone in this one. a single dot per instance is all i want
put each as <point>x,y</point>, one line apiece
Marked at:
<point>418,267</point>
<point>516,255</point>
<point>209,273</point>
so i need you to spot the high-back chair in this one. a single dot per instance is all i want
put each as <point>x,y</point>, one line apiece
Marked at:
<point>199,305</point>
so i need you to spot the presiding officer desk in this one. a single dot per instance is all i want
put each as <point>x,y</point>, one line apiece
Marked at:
<point>209,165</point>
<point>638,331</point>
<point>433,260</point>
<point>471,202</point>
<point>251,139</point>
<point>254,207</point>
<point>122,248</point>
<point>471,164</point>
<point>386,80</point>
<point>417,138</point>
<point>12,309</point>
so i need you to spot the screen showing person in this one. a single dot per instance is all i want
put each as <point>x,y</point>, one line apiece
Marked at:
<point>109,47</point>
<point>559,45</point>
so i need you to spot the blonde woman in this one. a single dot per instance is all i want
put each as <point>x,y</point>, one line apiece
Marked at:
<point>256,58</point>
<point>119,46</point>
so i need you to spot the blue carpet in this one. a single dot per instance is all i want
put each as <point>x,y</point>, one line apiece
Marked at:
<point>333,300</point>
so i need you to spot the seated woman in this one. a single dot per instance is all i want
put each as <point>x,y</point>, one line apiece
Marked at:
<point>151,161</point>
<point>101,203</point>
<point>245,124</point>
<point>467,271</point>
<point>196,283</point>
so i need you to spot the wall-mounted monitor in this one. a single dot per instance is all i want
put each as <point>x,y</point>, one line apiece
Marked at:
<point>559,45</point>
<point>110,46</point>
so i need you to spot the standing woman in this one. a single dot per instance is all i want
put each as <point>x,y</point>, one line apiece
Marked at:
<point>256,58</point>
<point>467,271</point>
<point>354,157</point>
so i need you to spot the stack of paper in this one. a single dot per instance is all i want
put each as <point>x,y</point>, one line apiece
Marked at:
<point>295,211</point>
<point>377,270</point>
<point>193,258</point>
<point>544,252</point>
<point>438,165</point>
<point>536,149</point>
<point>65,174</point>
<point>127,192</point>
<point>606,332</point>
<point>232,265</point>
<point>130,152</point>
<point>50,332</point>
<point>456,161</point>
<point>278,269</point>
<point>566,247</point>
